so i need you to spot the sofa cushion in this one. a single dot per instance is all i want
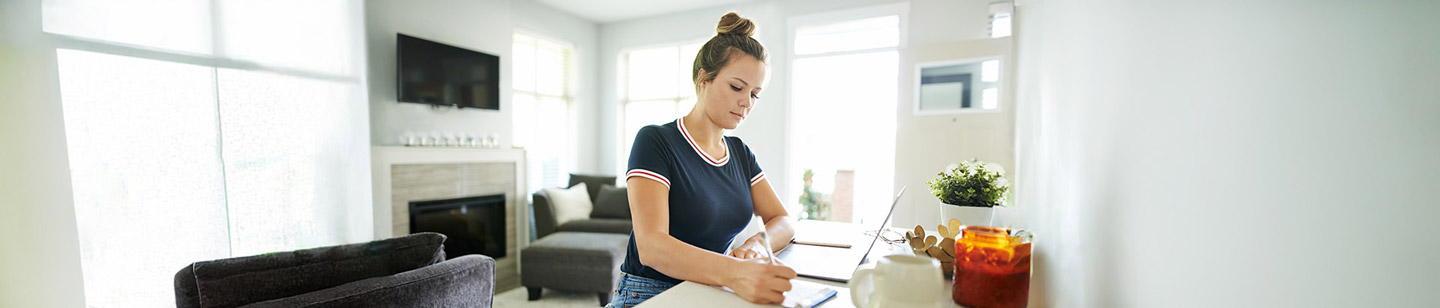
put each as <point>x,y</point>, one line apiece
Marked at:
<point>592,183</point>
<point>611,203</point>
<point>601,225</point>
<point>577,261</point>
<point>465,281</point>
<point>238,281</point>
<point>570,204</point>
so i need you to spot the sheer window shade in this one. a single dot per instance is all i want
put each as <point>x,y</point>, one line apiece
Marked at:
<point>845,50</point>
<point>852,35</point>
<point>144,173</point>
<point>200,130</point>
<point>543,122</point>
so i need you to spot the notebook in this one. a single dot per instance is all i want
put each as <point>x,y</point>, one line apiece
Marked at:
<point>805,294</point>
<point>825,233</point>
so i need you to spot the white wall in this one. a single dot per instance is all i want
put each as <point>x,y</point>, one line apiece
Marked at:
<point>40,259</point>
<point>1204,154</point>
<point>942,21</point>
<point>538,19</point>
<point>941,30</point>
<point>926,144</point>
<point>487,26</point>
<point>483,26</point>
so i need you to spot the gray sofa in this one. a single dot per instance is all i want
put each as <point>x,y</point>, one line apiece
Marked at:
<point>582,255</point>
<point>611,214</point>
<point>407,271</point>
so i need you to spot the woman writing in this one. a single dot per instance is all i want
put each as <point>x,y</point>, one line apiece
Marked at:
<point>692,189</point>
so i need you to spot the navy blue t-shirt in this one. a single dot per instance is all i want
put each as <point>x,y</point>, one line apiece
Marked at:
<point>709,196</point>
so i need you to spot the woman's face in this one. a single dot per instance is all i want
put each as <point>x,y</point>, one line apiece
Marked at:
<point>728,99</point>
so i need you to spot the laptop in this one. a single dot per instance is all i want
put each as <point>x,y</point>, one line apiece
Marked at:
<point>832,263</point>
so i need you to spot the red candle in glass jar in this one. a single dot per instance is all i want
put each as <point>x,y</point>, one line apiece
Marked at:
<point>992,268</point>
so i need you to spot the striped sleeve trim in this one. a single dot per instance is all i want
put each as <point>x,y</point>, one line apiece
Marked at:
<point>757,178</point>
<point>649,175</point>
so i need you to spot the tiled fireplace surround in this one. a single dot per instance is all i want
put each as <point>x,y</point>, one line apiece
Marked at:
<point>405,174</point>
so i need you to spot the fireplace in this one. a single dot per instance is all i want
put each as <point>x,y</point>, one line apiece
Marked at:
<point>472,225</point>
<point>406,174</point>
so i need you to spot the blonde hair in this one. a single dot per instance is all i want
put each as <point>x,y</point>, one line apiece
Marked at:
<point>732,35</point>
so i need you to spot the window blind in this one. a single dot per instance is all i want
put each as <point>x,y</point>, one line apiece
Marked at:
<point>200,130</point>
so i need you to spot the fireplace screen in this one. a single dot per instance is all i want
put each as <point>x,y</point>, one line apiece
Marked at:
<point>472,225</point>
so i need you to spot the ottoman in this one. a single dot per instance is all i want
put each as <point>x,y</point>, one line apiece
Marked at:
<point>574,261</point>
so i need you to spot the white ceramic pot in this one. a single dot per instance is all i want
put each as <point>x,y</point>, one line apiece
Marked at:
<point>968,215</point>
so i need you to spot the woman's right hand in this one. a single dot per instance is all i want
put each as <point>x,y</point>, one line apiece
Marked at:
<point>760,282</point>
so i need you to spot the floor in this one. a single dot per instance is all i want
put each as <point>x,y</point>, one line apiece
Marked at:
<point>548,299</point>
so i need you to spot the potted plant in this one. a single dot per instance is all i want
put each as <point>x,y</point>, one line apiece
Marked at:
<point>970,190</point>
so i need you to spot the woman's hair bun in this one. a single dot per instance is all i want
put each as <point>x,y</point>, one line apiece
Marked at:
<point>732,23</point>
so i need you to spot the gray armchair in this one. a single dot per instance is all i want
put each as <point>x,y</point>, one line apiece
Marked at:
<point>611,213</point>
<point>408,271</point>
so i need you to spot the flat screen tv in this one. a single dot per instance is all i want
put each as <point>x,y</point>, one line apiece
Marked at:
<point>443,75</point>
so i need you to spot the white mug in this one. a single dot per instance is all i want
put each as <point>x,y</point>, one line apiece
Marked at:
<point>898,281</point>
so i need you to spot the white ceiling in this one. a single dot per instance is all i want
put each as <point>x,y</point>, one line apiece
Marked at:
<point>606,11</point>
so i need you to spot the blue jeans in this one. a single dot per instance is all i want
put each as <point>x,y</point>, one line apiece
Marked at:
<point>635,289</point>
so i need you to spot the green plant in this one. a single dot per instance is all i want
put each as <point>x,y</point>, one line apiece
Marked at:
<point>817,204</point>
<point>971,183</point>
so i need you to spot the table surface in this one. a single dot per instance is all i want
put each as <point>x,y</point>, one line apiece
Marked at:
<point>693,294</point>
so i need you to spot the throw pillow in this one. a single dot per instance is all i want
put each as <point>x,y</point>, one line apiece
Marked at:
<point>612,203</point>
<point>593,181</point>
<point>570,204</point>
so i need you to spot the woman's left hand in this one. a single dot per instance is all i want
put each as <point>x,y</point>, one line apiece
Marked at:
<point>752,249</point>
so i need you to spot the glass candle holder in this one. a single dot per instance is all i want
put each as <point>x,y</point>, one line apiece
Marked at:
<point>992,268</point>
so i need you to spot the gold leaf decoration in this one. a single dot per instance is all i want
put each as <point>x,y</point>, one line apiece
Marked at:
<point>941,248</point>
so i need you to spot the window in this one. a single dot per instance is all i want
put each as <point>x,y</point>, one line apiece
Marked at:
<point>952,86</point>
<point>1000,18</point>
<point>658,90</point>
<point>202,130</point>
<point>542,119</point>
<point>842,141</point>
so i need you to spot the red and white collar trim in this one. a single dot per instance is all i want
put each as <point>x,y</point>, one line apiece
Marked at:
<point>711,160</point>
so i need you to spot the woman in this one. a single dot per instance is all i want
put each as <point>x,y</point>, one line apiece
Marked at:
<point>692,189</point>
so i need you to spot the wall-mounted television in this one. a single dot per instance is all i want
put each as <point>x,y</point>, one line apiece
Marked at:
<point>443,75</point>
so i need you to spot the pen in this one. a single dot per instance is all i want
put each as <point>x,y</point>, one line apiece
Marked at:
<point>765,240</point>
